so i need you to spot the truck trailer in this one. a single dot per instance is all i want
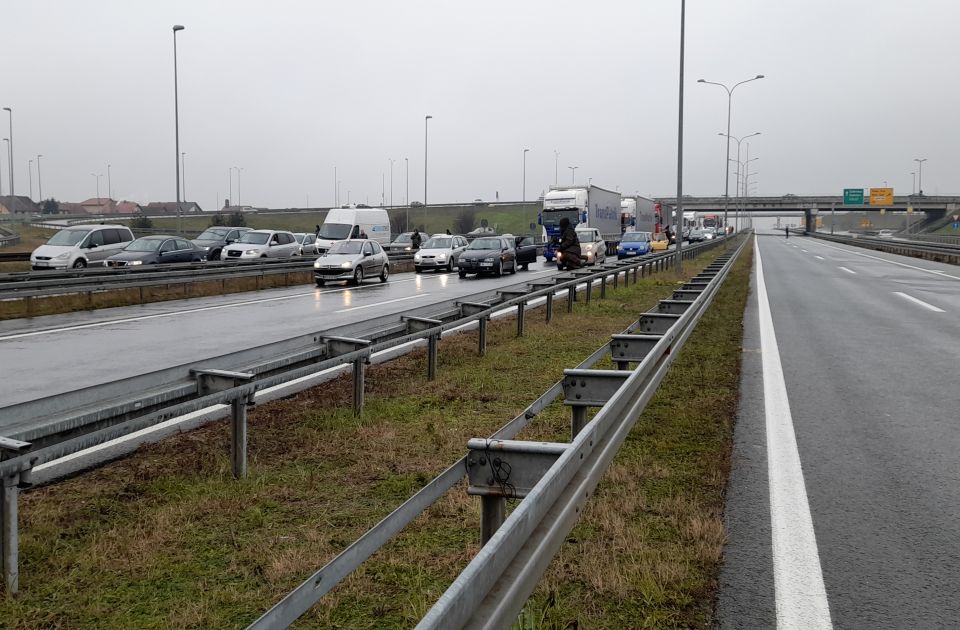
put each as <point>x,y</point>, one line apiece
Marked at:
<point>589,206</point>
<point>640,214</point>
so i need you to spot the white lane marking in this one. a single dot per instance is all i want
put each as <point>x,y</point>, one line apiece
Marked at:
<point>925,305</point>
<point>942,274</point>
<point>819,257</point>
<point>357,308</point>
<point>801,596</point>
<point>849,270</point>
<point>804,251</point>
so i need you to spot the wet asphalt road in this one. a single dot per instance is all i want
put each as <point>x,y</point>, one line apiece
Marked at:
<point>870,349</point>
<point>44,356</point>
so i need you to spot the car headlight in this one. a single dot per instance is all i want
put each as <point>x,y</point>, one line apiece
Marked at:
<point>316,264</point>
<point>63,256</point>
<point>135,262</point>
<point>490,259</point>
<point>346,265</point>
<point>441,257</point>
<point>590,254</point>
<point>416,257</point>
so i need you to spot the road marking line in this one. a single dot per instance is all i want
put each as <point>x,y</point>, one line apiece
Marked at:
<point>357,308</point>
<point>849,270</point>
<point>920,302</point>
<point>801,596</point>
<point>819,257</point>
<point>804,251</point>
<point>942,274</point>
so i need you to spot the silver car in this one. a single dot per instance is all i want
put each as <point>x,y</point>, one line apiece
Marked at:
<point>262,244</point>
<point>308,243</point>
<point>352,260</point>
<point>441,251</point>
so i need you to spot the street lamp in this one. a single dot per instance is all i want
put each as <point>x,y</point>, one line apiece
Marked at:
<point>913,190</point>
<point>525,174</point>
<point>426,120</point>
<point>391,181</point>
<point>10,172</point>
<point>109,184</point>
<point>183,177</point>
<point>726,162</point>
<point>406,195</point>
<point>30,177</point>
<point>919,161</point>
<point>573,173</point>
<point>97,177</point>
<point>176,124</point>
<point>556,167</point>
<point>738,140</point>
<point>238,182</point>
<point>10,150</point>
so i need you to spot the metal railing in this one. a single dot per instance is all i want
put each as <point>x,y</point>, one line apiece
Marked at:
<point>929,251</point>
<point>47,429</point>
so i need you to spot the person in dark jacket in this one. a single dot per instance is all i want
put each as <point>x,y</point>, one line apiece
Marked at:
<point>568,251</point>
<point>415,239</point>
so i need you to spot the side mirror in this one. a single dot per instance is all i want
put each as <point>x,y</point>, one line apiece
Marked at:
<point>91,245</point>
<point>366,254</point>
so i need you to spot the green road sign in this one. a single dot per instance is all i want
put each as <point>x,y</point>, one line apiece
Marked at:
<point>853,196</point>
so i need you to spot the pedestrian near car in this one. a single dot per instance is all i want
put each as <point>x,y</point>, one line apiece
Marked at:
<point>317,231</point>
<point>569,246</point>
<point>363,234</point>
<point>786,232</point>
<point>415,239</point>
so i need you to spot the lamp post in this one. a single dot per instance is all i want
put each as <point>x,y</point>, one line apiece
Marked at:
<point>391,181</point>
<point>30,177</point>
<point>10,172</point>
<point>10,150</point>
<point>230,193</point>
<point>913,190</point>
<point>738,141</point>
<point>919,161</point>
<point>726,161</point>
<point>109,184</point>
<point>406,195</point>
<point>238,183</point>
<point>678,211</point>
<point>176,124</point>
<point>525,174</point>
<point>97,177</point>
<point>426,120</point>
<point>556,167</point>
<point>573,173</point>
<point>183,176</point>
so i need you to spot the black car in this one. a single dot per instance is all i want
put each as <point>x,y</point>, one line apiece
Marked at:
<point>526,251</point>
<point>154,250</point>
<point>213,239</point>
<point>488,254</point>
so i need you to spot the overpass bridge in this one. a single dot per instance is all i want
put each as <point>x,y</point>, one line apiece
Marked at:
<point>935,207</point>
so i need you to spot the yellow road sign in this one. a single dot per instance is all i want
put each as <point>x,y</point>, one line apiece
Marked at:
<point>881,196</point>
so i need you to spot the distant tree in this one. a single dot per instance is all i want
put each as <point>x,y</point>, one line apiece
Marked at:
<point>216,219</point>
<point>49,206</point>
<point>236,219</point>
<point>141,222</point>
<point>464,221</point>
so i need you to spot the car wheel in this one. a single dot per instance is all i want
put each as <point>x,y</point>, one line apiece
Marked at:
<point>214,255</point>
<point>384,273</point>
<point>499,271</point>
<point>80,263</point>
<point>358,275</point>
<point>513,268</point>
<point>449,266</point>
<point>418,269</point>
<point>320,283</point>
<point>526,267</point>
<point>462,273</point>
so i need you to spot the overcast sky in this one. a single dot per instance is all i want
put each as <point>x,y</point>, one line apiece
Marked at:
<point>854,91</point>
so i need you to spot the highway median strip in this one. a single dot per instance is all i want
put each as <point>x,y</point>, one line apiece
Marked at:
<point>210,551</point>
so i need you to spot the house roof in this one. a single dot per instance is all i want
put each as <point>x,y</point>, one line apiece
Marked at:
<point>170,207</point>
<point>19,204</point>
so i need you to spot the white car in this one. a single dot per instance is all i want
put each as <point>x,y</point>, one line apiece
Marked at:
<point>81,245</point>
<point>262,244</point>
<point>886,233</point>
<point>593,249</point>
<point>441,251</point>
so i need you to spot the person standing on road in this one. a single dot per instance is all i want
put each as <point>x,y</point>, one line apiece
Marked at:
<point>786,232</point>
<point>415,239</point>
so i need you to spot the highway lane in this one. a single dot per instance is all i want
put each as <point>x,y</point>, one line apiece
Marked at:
<point>869,344</point>
<point>53,354</point>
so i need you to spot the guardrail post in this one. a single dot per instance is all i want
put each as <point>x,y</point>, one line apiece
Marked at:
<point>571,297</point>
<point>11,534</point>
<point>549,306</point>
<point>432,357</point>
<point>603,287</point>
<point>493,511</point>
<point>521,309</point>
<point>616,278</point>
<point>343,345</point>
<point>359,381</point>
<point>212,381</point>
<point>482,336</point>
<point>589,291</point>
<point>420,324</point>
<point>578,421</point>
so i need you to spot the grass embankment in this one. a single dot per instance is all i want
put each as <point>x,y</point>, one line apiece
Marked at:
<point>30,238</point>
<point>167,538</point>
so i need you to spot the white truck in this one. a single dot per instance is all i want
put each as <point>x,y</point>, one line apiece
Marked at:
<point>640,214</point>
<point>588,206</point>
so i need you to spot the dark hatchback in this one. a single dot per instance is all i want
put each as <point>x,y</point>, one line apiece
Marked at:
<point>488,254</point>
<point>215,238</point>
<point>155,250</point>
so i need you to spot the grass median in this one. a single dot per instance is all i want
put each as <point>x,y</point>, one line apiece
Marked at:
<point>166,538</point>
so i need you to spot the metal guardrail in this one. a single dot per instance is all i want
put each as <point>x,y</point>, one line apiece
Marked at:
<point>538,468</point>
<point>928,251</point>
<point>14,256</point>
<point>47,429</point>
<point>945,239</point>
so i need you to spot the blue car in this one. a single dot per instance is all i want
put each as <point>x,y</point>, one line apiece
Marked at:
<point>633,244</point>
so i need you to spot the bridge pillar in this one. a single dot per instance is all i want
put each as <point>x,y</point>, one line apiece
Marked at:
<point>810,217</point>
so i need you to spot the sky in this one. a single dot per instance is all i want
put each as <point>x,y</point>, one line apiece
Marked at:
<point>853,92</point>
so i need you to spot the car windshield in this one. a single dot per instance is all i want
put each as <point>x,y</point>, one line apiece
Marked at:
<point>335,231</point>
<point>403,239</point>
<point>144,245</point>
<point>696,233</point>
<point>438,243</point>
<point>585,235</point>
<point>485,243</point>
<point>213,234</point>
<point>67,237</point>
<point>346,247</point>
<point>551,218</point>
<point>633,237</point>
<point>255,238</point>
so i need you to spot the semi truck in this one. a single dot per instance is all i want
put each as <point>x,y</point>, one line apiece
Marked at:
<point>589,206</point>
<point>640,214</point>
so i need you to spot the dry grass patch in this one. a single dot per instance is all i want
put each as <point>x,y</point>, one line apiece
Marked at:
<point>166,538</point>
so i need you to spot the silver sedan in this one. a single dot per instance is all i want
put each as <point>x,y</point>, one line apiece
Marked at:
<point>352,260</point>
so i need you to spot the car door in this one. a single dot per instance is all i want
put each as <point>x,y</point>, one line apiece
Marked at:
<point>95,250</point>
<point>184,251</point>
<point>599,248</point>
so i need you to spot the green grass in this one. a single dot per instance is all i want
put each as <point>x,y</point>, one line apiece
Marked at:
<point>166,538</point>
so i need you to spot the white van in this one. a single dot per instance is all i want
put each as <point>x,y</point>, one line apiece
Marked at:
<point>345,223</point>
<point>81,245</point>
